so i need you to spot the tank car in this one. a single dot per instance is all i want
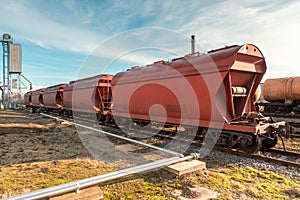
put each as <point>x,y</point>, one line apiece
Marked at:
<point>281,95</point>
<point>169,84</point>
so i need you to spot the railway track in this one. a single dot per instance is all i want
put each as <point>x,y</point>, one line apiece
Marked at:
<point>277,155</point>
<point>285,153</point>
<point>281,157</point>
<point>263,157</point>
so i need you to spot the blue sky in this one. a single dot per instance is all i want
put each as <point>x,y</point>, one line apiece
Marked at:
<point>58,36</point>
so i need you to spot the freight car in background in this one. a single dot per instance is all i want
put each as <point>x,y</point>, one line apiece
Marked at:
<point>36,99</point>
<point>27,99</point>
<point>53,97</point>
<point>280,95</point>
<point>90,95</point>
<point>194,85</point>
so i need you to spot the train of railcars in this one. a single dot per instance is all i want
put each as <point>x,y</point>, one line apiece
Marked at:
<point>204,89</point>
<point>281,96</point>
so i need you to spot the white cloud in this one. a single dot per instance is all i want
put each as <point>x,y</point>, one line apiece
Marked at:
<point>272,26</point>
<point>31,25</point>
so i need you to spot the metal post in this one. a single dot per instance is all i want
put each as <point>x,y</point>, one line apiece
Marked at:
<point>12,67</point>
<point>193,44</point>
<point>5,73</point>
<point>19,89</point>
<point>9,88</point>
<point>6,77</point>
<point>30,84</point>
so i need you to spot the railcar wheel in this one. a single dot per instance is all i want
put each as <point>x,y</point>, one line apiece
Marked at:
<point>254,147</point>
<point>269,143</point>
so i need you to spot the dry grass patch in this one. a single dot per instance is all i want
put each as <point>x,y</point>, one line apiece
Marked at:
<point>231,182</point>
<point>15,116</point>
<point>20,178</point>
<point>250,182</point>
<point>29,125</point>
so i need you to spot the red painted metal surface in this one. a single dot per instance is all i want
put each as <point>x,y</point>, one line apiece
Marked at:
<point>67,94</point>
<point>37,97</point>
<point>27,98</point>
<point>187,86</point>
<point>53,96</point>
<point>89,95</point>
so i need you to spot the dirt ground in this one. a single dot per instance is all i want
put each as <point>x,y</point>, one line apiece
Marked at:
<point>26,137</point>
<point>38,152</point>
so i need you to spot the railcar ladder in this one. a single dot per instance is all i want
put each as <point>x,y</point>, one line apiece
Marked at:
<point>106,94</point>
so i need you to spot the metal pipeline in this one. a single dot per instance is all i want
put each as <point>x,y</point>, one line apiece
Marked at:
<point>77,185</point>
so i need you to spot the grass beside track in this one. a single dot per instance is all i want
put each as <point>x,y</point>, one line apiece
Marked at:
<point>230,181</point>
<point>21,178</point>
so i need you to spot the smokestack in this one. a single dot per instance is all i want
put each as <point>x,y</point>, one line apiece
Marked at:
<point>193,43</point>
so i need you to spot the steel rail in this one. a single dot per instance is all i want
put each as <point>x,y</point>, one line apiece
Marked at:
<point>285,153</point>
<point>114,135</point>
<point>77,185</point>
<point>259,157</point>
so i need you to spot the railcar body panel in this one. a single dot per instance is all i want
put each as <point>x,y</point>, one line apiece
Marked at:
<point>37,97</point>
<point>197,88</point>
<point>90,95</point>
<point>67,94</point>
<point>27,98</point>
<point>53,96</point>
